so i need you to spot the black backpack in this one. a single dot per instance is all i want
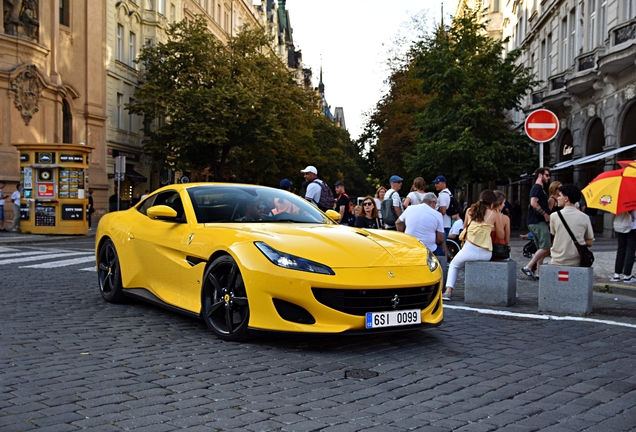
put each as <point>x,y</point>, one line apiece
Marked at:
<point>453,207</point>
<point>388,212</point>
<point>326,196</point>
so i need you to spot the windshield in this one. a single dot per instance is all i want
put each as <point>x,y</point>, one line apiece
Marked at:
<point>251,204</point>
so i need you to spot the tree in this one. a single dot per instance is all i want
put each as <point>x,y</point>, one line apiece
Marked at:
<point>464,131</point>
<point>222,111</point>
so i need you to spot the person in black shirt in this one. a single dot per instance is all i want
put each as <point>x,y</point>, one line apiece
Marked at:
<point>342,204</point>
<point>537,221</point>
<point>369,217</point>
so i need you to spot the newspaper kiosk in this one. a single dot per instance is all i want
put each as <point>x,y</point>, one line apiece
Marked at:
<point>55,188</point>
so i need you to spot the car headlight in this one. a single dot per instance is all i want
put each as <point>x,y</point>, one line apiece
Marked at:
<point>292,262</point>
<point>431,260</point>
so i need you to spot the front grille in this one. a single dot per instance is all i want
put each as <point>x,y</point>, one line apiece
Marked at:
<point>359,302</point>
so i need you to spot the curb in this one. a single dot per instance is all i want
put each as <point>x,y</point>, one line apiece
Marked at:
<point>36,238</point>
<point>614,288</point>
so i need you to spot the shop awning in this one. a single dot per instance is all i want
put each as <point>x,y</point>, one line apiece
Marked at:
<point>134,176</point>
<point>591,158</point>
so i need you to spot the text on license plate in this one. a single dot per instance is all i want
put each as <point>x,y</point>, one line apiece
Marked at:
<point>393,318</point>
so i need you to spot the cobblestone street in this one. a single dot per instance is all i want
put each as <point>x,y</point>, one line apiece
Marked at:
<point>69,361</point>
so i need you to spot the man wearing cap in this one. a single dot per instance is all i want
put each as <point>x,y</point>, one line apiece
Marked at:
<point>393,194</point>
<point>342,204</point>
<point>313,188</point>
<point>443,202</point>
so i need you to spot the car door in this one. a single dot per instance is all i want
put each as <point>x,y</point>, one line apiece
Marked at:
<point>157,248</point>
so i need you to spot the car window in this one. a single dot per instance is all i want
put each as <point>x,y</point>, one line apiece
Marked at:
<point>170,198</point>
<point>251,204</point>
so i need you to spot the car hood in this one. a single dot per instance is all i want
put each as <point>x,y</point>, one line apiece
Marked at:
<point>338,246</point>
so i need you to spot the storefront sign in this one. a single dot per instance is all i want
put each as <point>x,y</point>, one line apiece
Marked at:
<point>127,155</point>
<point>45,158</point>
<point>24,157</point>
<point>46,190</point>
<point>567,150</point>
<point>71,158</point>
<point>28,177</point>
<point>72,211</point>
<point>25,211</point>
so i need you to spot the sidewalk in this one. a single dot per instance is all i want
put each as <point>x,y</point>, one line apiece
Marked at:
<point>15,238</point>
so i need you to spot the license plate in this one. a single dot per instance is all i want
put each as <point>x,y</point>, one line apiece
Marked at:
<point>393,318</point>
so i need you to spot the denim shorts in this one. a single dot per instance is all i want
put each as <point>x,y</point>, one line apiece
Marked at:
<point>1,212</point>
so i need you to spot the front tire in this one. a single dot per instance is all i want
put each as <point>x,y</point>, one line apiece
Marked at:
<point>224,305</point>
<point>109,273</point>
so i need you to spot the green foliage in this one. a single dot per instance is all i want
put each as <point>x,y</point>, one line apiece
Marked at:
<point>448,109</point>
<point>464,130</point>
<point>225,112</point>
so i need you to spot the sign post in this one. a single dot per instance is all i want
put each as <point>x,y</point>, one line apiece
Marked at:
<point>120,172</point>
<point>541,126</point>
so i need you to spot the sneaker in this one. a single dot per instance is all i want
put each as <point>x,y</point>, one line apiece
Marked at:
<point>529,273</point>
<point>616,278</point>
<point>446,297</point>
<point>629,279</point>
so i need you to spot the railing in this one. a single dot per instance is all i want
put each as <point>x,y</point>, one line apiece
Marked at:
<point>558,83</point>
<point>625,33</point>
<point>537,98</point>
<point>587,62</point>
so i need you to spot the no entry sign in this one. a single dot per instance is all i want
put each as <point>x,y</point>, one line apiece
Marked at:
<point>542,125</point>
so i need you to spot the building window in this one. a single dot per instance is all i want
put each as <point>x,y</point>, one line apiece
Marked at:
<point>67,123</point>
<point>548,66</point>
<point>218,14</point>
<point>602,22</point>
<point>227,22</point>
<point>630,9</point>
<point>65,12</point>
<point>120,42</point>
<point>132,127</point>
<point>591,12</point>
<point>132,48</point>
<point>173,14</point>
<point>120,110</point>
<point>161,7</point>
<point>572,41</point>
<point>564,44</point>
<point>543,74</point>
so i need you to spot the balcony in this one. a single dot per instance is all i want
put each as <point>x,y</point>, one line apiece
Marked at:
<point>587,72</point>
<point>622,53</point>
<point>557,96</point>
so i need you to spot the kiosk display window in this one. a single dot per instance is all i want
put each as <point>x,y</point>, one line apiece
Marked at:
<point>71,183</point>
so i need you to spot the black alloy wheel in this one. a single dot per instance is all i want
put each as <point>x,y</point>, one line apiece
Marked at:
<point>109,273</point>
<point>453,249</point>
<point>224,306</point>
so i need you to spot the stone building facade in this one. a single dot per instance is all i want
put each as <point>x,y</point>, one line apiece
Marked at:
<point>52,80</point>
<point>584,54</point>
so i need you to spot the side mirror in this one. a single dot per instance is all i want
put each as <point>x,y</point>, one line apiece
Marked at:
<point>333,215</point>
<point>162,212</point>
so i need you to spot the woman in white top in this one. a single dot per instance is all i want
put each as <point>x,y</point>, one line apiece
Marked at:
<point>417,192</point>
<point>379,197</point>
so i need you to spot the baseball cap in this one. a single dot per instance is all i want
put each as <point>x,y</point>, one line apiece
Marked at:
<point>339,183</point>
<point>395,179</point>
<point>311,169</point>
<point>439,179</point>
<point>285,183</point>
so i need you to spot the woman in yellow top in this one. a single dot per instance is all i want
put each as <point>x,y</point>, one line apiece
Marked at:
<point>481,219</point>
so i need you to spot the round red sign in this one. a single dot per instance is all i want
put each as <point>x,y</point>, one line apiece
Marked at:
<point>542,125</point>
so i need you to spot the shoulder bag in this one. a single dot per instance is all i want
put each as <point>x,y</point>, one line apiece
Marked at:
<point>587,257</point>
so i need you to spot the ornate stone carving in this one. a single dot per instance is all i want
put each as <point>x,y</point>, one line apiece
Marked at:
<point>28,90</point>
<point>591,110</point>
<point>630,92</point>
<point>21,13</point>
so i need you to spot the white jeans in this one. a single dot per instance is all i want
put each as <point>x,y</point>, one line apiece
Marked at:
<point>468,252</point>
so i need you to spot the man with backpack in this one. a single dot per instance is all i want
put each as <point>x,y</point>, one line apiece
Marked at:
<point>318,192</point>
<point>447,204</point>
<point>392,207</point>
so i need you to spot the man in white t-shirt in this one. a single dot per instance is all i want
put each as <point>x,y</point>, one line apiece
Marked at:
<point>564,251</point>
<point>394,194</point>
<point>424,223</point>
<point>443,202</point>
<point>456,229</point>
<point>312,194</point>
<point>3,196</point>
<point>15,197</point>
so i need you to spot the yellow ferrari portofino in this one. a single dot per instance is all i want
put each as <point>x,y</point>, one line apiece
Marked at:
<point>246,258</point>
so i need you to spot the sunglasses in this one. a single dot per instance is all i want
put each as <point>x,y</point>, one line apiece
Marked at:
<point>367,204</point>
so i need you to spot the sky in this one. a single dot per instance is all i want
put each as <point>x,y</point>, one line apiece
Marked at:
<point>351,40</point>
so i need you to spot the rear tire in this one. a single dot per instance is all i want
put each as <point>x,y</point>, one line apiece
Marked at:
<point>109,273</point>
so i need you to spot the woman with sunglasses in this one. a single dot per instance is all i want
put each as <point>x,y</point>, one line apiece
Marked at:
<point>369,215</point>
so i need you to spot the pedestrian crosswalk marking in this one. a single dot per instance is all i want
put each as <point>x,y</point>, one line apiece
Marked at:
<point>41,257</point>
<point>90,269</point>
<point>63,263</point>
